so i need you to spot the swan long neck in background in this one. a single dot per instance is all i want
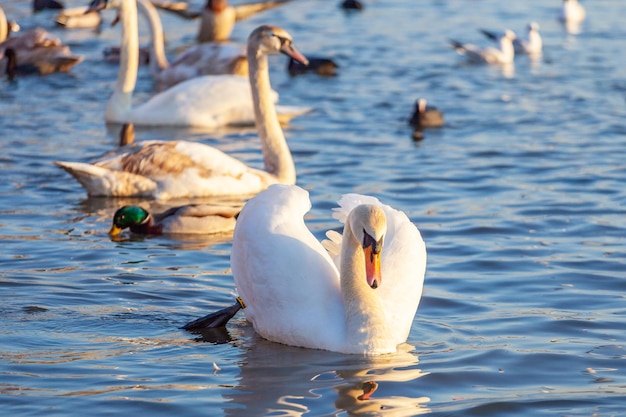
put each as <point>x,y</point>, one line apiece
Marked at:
<point>120,102</point>
<point>4,26</point>
<point>365,320</point>
<point>276,154</point>
<point>158,59</point>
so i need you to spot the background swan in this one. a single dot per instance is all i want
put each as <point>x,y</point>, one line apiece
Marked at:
<point>207,101</point>
<point>209,58</point>
<point>181,169</point>
<point>42,50</point>
<point>217,17</point>
<point>359,297</point>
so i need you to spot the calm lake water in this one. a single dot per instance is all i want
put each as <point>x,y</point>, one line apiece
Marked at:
<point>521,200</point>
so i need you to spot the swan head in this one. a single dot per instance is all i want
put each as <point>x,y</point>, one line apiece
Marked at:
<point>274,40</point>
<point>369,225</point>
<point>128,216</point>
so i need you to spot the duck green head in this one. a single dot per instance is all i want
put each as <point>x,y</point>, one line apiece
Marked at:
<point>127,216</point>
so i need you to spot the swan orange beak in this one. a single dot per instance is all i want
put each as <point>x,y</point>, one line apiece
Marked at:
<point>372,266</point>
<point>291,51</point>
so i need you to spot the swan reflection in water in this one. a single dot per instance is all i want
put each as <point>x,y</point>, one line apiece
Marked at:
<point>283,380</point>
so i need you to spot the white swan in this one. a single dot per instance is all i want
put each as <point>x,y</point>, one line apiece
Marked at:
<point>205,102</point>
<point>362,302</point>
<point>181,169</point>
<point>210,58</point>
<point>217,17</point>
<point>502,55</point>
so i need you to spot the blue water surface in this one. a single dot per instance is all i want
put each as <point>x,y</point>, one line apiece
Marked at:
<point>520,198</point>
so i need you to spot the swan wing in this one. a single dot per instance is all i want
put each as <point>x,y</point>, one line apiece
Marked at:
<point>403,262</point>
<point>244,11</point>
<point>179,169</point>
<point>288,282</point>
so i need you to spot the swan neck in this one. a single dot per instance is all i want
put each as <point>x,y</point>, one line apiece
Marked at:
<point>158,59</point>
<point>365,318</point>
<point>4,26</point>
<point>276,154</point>
<point>120,102</point>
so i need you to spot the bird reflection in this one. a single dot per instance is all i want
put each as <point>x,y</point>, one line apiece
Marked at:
<point>284,380</point>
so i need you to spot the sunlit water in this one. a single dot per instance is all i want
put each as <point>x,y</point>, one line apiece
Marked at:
<point>520,199</point>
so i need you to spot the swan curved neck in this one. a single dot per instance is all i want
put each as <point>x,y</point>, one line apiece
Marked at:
<point>276,154</point>
<point>158,59</point>
<point>365,318</point>
<point>120,102</point>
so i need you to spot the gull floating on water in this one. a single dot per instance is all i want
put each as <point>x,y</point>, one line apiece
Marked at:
<point>572,11</point>
<point>502,55</point>
<point>572,14</point>
<point>532,44</point>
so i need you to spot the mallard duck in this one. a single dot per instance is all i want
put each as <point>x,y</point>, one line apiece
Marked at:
<point>320,66</point>
<point>189,219</point>
<point>183,169</point>
<point>218,18</point>
<point>362,287</point>
<point>210,101</point>
<point>42,50</point>
<point>502,55</point>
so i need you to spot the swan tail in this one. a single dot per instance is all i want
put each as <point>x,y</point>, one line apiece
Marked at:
<point>286,113</point>
<point>104,182</point>
<point>213,320</point>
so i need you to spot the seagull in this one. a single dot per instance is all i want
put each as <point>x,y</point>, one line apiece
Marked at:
<point>572,12</point>
<point>502,55</point>
<point>532,44</point>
